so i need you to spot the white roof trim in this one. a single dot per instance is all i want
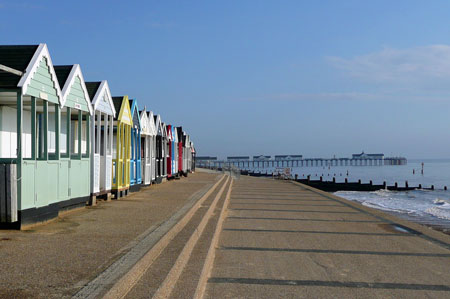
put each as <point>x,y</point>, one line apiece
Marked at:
<point>158,124</point>
<point>151,119</point>
<point>42,51</point>
<point>75,72</point>
<point>169,133</point>
<point>102,89</point>
<point>145,129</point>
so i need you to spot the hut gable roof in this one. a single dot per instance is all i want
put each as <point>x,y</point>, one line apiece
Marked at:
<point>151,123</point>
<point>41,59</point>
<point>122,105</point>
<point>145,130</point>
<point>14,61</point>
<point>163,129</point>
<point>135,113</point>
<point>19,65</point>
<point>101,97</point>
<point>158,125</point>
<point>169,132</point>
<point>74,92</point>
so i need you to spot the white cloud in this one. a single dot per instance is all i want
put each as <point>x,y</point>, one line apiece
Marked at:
<point>344,96</point>
<point>413,74</point>
<point>399,66</point>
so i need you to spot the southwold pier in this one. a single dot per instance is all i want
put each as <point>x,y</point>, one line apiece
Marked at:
<point>213,236</point>
<point>245,162</point>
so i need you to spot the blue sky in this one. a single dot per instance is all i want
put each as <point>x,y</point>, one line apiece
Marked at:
<point>318,78</point>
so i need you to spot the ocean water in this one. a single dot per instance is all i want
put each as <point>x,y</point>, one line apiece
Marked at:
<point>423,206</point>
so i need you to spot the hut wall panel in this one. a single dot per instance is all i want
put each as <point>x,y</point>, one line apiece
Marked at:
<point>76,96</point>
<point>28,185</point>
<point>53,172</point>
<point>104,106</point>
<point>108,179</point>
<point>97,173</point>
<point>42,82</point>
<point>43,186</point>
<point>79,178</point>
<point>63,193</point>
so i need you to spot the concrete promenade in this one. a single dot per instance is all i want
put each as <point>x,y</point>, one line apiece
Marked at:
<point>213,237</point>
<point>283,240</point>
<point>57,259</point>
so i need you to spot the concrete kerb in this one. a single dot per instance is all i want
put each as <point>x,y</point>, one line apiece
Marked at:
<point>209,261</point>
<point>165,289</point>
<point>132,265</point>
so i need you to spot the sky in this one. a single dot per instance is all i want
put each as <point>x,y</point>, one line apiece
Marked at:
<point>318,78</point>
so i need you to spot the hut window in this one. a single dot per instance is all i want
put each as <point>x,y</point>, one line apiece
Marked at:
<point>52,129</point>
<point>102,132</point>
<point>63,136</point>
<point>41,129</point>
<point>27,137</point>
<point>8,125</point>
<point>75,133</point>
<point>98,140</point>
<point>109,133</point>
<point>115,132</point>
<point>85,134</point>
<point>148,148</point>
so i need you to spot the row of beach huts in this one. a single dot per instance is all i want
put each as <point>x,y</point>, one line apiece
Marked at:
<point>65,142</point>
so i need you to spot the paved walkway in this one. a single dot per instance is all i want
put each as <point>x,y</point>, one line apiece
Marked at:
<point>213,237</point>
<point>283,240</point>
<point>59,258</point>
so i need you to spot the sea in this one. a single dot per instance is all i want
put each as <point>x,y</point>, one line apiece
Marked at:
<point>429,207</point>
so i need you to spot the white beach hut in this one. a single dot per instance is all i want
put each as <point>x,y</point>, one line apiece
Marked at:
<point>148,132</point>
<point>102,139</point>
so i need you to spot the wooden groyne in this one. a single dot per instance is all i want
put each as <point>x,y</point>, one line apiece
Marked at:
<point>333,186</point>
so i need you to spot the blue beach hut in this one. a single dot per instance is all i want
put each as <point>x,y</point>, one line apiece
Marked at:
<point>135,160</point>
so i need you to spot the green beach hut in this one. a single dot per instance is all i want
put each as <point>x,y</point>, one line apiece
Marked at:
<point>76,110</point>
<point>30,166</point>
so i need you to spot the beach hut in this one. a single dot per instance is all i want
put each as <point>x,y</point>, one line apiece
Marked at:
<point>187,154</point>
<point>147,140</point>
<point>101,139</point>
<point>29,149</point>
<point>123,122</point>
<point>192,157</point>
<point>159,149</point>
<point>164,150</point>
<point>180,149</point>
<point>35,137</point>
<point>135,161</point>
<point>175,152</point>
<point>154,131</point>
<point>76,111</point>
<point>169,150</point>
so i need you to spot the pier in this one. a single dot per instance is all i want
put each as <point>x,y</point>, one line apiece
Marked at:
<point>244,162</point>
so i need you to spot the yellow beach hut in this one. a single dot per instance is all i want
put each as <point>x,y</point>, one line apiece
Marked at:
<point>121,147</point>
